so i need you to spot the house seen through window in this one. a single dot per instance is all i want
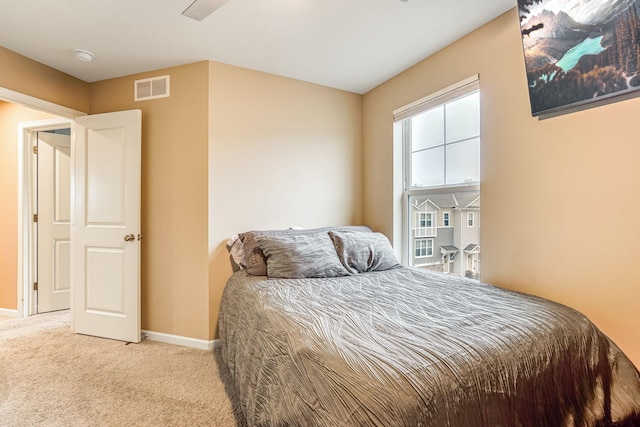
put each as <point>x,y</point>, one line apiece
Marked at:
<point>441,144</point>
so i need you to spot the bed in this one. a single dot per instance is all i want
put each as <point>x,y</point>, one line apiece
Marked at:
<point>324,327</point>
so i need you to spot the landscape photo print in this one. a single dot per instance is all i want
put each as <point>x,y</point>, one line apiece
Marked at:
<point>579,51</point>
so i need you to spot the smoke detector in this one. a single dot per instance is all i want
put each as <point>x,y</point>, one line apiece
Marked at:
<point>83,55</point>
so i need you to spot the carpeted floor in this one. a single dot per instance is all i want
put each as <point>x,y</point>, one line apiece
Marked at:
<point>52,377</point>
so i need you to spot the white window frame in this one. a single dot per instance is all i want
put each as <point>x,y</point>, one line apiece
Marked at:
<point>425,225</point>
<point>428,219</point>
<point>445,95</point>
<point>451,93</point>
<point>424,218</point>
<point>428,248</point>
<point>471,219</point>
<point>446,219</point>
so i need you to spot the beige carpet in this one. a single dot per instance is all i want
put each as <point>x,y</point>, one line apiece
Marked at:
<point>52,377</point>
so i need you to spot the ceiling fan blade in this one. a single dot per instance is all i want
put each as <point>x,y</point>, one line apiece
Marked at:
<point>200,9</point>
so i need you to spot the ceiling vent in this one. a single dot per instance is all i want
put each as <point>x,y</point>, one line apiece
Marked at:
<point>155,87</point>
<point>200,9</point>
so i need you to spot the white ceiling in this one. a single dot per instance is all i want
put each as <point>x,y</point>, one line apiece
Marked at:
<point>352,45</point>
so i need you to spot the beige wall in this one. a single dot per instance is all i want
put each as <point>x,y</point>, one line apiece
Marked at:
<point>174,185</point>
<point>281,153</point>
<point>10,116</point>
<point>234,149</point>
<point>544,183</point>
<point>32,78</point>
<point>225,153</point>
<point>174,196</point>
<point>276,152</point>
<point>28,77</point>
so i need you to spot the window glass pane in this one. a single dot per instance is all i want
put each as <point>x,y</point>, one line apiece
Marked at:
<point>422,219</point>
<point>427,167</point>
<point>463,162</point>
<point>427,129</point>
<point>445,247</point>
<point>463,117</point>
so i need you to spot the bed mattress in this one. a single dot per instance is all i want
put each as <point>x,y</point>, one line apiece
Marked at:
<point>406,347</point>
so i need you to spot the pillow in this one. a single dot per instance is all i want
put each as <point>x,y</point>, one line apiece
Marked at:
<point>364,252</point>
<point>255,262</point>
<point>236,249</point>
<point>296,256</point>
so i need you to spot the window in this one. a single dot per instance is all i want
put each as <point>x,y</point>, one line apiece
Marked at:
<point>424,225</point>
<point>441,146</point>
<point>425,219</point>
<point>422,219</point>
<point>423,248</point>
<point>444,143</point>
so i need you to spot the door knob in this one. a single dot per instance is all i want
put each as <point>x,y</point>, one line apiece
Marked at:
<point>129,238</point>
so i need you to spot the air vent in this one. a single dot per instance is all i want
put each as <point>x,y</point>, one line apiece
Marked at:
<point>200,9</point>
<point>155,87</point>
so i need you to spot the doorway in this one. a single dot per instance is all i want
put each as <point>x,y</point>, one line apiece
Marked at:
<point>46,214</point>
<point>52,220</point>
<point>64,117</point>
<point>104,217</point>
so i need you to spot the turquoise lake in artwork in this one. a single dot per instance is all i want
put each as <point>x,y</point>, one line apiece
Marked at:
<point>589,46</point>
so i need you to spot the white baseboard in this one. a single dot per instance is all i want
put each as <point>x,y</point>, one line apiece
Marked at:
<point>183,341</point>
<point>8,312</point>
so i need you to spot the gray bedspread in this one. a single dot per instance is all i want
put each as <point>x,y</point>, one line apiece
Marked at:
<point>404,347</point>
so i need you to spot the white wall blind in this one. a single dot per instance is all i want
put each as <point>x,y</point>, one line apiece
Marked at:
<point>442,96</point>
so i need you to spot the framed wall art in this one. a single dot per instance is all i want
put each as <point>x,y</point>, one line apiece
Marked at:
<point>579,52</point>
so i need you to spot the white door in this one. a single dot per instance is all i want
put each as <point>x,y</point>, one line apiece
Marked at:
<point>105,230</point>
<point>54,215</point>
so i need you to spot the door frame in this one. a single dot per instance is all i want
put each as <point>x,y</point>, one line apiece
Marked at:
<point>66,117</point>
<point>27,137</point>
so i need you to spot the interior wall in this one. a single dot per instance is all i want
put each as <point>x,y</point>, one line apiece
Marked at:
<point>11,115</point>
<point>560,197</point>
<point>174,275</point>
<point>32,78</point>
<point>282,153</point>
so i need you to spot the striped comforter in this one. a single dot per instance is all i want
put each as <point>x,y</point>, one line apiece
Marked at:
<point>404,347</point>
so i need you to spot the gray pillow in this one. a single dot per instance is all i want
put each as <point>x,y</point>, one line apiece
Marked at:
<point>364,252</point>
<point>296,256</point>
<point>255,263</point>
